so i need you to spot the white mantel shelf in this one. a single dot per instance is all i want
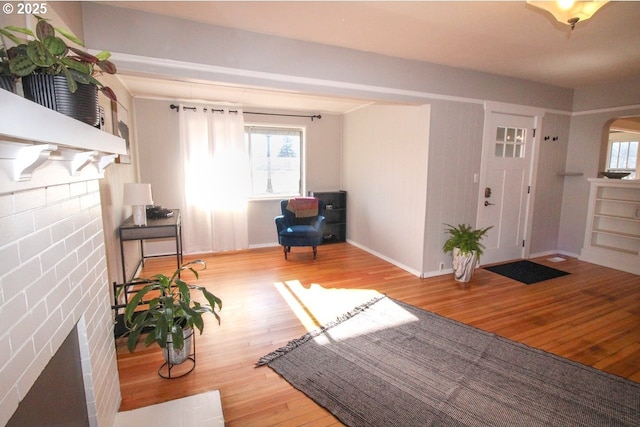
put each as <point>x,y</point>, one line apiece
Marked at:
<point>26,121</point>
<point>33,136</point>
<point>616,182</point>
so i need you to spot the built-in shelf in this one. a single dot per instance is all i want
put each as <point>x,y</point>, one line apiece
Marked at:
<point>614,200</point>
<point>32,136</point>
<point>617,233</point>
<point>619,217</point>
<point>612,236</point>
<point>613,248</point>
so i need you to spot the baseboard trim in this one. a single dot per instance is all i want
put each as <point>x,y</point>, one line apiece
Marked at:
<point>263,245</point>
<point>555,252</point>
<point>385,258</point>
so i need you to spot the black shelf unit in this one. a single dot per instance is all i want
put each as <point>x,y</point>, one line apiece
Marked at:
<point>335,213</point>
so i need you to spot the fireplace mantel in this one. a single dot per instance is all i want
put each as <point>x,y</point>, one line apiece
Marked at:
<point>52,244</point>
<point>39,146</point>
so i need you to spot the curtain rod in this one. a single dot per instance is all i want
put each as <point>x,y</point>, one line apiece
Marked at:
<point>213,110</point>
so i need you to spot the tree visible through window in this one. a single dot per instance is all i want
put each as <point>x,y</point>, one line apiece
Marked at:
<point>276,160</point>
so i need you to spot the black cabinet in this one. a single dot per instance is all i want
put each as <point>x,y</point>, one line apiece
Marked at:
<point>335,213</point>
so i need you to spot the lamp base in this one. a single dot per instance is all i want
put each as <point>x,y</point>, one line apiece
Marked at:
<point>140,215</point>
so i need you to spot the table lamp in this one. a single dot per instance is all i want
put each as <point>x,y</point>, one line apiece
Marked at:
<point>138,196</point>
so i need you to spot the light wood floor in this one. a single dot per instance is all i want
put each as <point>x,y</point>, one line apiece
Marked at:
<point>591,316</point>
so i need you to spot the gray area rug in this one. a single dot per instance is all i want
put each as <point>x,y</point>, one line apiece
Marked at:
<point>392,364</point>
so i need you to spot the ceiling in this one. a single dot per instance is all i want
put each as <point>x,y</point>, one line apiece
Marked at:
<point>501,37</point>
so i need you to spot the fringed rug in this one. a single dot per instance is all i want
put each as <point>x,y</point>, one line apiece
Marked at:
<point>392,364</point>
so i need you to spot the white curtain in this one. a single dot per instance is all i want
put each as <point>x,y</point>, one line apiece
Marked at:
<point>216,178</point>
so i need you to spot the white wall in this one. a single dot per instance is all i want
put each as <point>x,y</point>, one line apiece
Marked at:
<point>589,130</point>
<point>241,57</point>
<point>264,60</point>
<point>158,149</point>
<point>595,107</point>
<point>457,95</point>
<point>112,185</point>
<point>385,175</point>
<point>612,95</point>
<point>549,185</point>
<point>455,151</point>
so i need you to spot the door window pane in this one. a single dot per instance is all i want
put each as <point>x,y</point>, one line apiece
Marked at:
<point>508,152</point>
<point>510,142</point>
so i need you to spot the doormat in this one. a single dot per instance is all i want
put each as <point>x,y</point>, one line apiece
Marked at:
<point>526,272</point>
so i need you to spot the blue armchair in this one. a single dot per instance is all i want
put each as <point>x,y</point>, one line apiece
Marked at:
<point>301,227</point>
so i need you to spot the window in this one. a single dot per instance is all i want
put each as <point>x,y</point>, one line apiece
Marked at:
<point>623,157</point>
<point>276,160</point>
<point>510,142</point>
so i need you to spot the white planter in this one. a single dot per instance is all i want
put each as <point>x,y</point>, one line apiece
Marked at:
<point>463,265</point>
<point>176,357</point>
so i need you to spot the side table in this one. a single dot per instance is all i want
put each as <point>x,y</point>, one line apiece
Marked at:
<point>162,228</point>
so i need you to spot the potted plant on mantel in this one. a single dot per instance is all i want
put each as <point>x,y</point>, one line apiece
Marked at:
<point>56,75</point>
<point>7,78</point>
<point>171,314</point>
<point>464,244</point>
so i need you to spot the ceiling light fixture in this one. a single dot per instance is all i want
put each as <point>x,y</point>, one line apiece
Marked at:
<point>569,11</point>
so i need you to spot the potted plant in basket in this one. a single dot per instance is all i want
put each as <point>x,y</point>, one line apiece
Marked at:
<point>52,70</point>
<point>464,244</point>
<point>171,314</point>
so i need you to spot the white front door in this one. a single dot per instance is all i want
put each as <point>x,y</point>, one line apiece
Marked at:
<point>505,176</point>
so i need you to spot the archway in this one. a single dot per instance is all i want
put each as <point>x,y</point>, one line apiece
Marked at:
<point>620,144</point>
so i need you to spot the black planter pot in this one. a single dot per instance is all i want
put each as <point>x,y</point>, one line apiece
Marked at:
<point>7,83</point>
<point>53,92</point>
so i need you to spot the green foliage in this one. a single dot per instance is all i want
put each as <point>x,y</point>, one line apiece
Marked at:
<point>46,53</point>
<point>170,310</point>
<point>4,63</point>
<point>464,238</point>
<point>287,149</point>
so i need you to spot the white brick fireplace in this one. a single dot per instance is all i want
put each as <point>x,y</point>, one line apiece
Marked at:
<point>53,273</point>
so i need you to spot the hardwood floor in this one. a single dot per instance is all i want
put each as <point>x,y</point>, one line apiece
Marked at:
<point>591,316</point>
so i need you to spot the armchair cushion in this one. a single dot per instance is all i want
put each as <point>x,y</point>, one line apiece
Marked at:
<point>303,207</point>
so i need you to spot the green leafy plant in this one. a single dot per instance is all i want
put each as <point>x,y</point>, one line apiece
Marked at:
<point>46,53</point>
<point>465,238</point>
<point>170,310</point>
<point>4,63</point>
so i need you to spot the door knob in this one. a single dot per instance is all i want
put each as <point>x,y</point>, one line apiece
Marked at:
<point>486,203</point>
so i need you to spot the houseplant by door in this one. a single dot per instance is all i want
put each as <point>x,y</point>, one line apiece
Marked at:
<point>464,244</point>
<point>171,314</point>
<point>56,75</point>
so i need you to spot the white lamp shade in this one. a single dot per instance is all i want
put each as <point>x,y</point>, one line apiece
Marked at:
<point>137,194</point>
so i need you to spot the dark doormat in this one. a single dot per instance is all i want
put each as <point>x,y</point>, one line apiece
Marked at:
<point>526,272</point>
